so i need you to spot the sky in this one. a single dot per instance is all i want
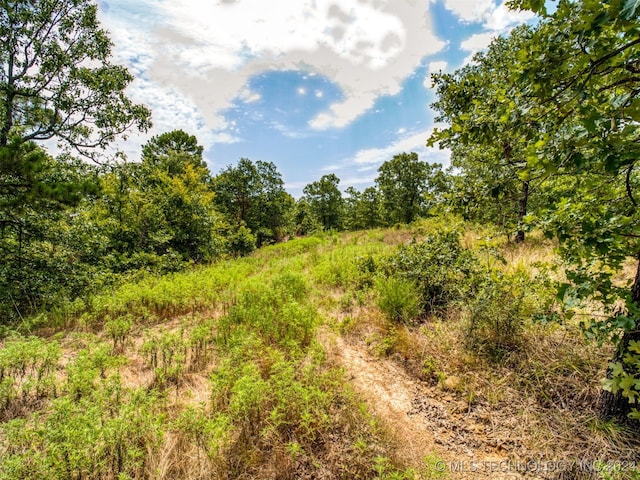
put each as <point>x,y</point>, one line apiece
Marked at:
<point>314,86</point>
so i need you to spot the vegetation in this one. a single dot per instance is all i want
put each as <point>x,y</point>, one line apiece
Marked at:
<point>161,321</point>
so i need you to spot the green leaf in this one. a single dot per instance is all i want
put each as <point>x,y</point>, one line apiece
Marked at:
<point>634,346</point>
<point>630,8</point>
<point>617,369</point>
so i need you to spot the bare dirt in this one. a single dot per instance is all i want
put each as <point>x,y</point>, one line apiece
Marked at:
<point>424,420</point>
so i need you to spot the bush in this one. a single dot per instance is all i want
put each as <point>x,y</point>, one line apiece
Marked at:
<point>242,242</point>
<point>439,267</point>
<point>498,311</point>
<point>398,299</point>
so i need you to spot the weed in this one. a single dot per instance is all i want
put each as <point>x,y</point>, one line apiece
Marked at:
<point>166,353</point>
<point>118,330</point>
<point>434,468</point>
<point>497,313</point>
<point>27,368</point>
<point>399,299</point>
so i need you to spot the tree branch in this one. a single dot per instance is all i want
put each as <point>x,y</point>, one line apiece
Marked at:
<point>628,185</point>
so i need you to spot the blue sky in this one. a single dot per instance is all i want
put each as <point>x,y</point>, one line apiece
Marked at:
<point>314,86</point>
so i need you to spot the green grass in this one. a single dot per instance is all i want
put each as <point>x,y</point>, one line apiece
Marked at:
<point>216,372</point>
<point>247,327</point>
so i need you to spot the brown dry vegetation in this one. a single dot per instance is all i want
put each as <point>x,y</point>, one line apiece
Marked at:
<point>537,403</point>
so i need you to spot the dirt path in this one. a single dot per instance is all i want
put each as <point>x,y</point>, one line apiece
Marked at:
<point>424,420</point>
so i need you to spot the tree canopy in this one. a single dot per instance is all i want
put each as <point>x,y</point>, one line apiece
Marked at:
<point>56,79</point>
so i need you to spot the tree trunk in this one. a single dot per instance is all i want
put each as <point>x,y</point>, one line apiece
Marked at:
<point>522,210</point>
<point>614,406</point>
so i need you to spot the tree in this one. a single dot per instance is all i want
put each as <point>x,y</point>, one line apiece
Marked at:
<point>56,80</point>
<point>363,210</point>
<point>173,145</point>
<point>252,194</point>
<point>304,219</point>
<point>146,217</point>
<point>37,192</point>
<point>325,201</point>
<point>403,183</point>
<point>581,66</point>
<point>489,150</point>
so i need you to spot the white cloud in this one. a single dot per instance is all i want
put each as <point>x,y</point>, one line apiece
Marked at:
<point>206,52</point>
<point>415,142</point>
<point>470,10</point>
<point>496,20</point>
<point>331,168</point>
<point>478,41</point>
<point>248,96</point>
<point>501,18</point>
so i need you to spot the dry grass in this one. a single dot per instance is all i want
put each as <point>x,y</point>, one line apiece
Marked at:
<point>539,403</point>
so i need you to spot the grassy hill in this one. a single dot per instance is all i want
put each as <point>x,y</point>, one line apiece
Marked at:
<point>401,353</point>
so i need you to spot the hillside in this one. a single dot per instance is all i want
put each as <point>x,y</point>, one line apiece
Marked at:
<point>312,359</point>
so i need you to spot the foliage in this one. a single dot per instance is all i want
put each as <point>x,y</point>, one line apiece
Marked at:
<point>624,377</point>
<point>404,183</point>
<point>273,312</point>
<point>488,150</point>
<point>241,241</point>
<point>363,210</point>
<point>27,372</point>
<point>305,221</point>
<point>57,80</point>
<point>252,194</point>
<point>399,299</point>
<point>157,214</point>
<point>167,149</point>
<point>564,100</point>
<point>37,193</point>
<point>440,267</point>
<point>325,201</point>
<point>498,311</point>
<point>591,116</point>
<point>106,434</point>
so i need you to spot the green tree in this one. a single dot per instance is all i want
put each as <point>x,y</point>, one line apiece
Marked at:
<point>252,194</point>
<point>304,219</point>
<point>37,194</point>
<point>404,184</point>
<point>56,80</point>
<point>325,201</point>
<point>160,209</point>
<point>581,65</point>
<point>487,149</point>
<point>363,210</point>
<point>158,148</point>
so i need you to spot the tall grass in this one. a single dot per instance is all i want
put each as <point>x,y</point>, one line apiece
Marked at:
<point>272,407</point>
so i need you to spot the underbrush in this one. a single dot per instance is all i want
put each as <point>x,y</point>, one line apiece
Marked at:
<point>478,341</point>
<point>217,372</point>
<point>213,373</point>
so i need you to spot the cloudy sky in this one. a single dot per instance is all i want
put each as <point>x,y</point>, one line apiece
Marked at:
<point>314,86</point>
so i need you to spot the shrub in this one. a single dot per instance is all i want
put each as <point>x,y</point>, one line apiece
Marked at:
<point>439,267</point>
<point>242,242</point>
<point>399,299</point>
<point>27,372</point>
<point>498,311</point>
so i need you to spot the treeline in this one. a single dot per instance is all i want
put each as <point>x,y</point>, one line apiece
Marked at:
<point>70,227</point>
